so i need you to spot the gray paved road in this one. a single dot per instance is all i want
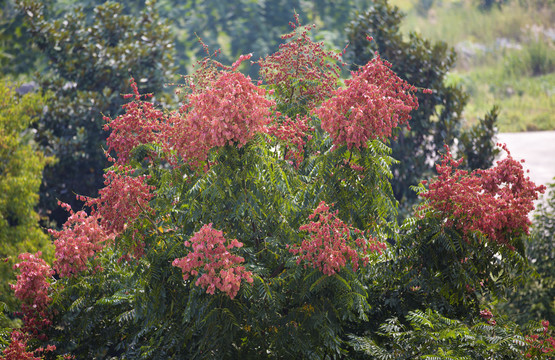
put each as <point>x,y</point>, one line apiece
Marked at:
<point>538,151</point>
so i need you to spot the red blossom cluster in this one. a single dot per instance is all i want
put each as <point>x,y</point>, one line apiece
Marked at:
<point>488,316</point>
<point>374,102</point>
<point>140,124</point>
<point>81,237</point>
<point>541,346</point>
<point>17,349</point>
<point>229,112</point>
<point>330,246</point>
<point>84,235</point>
<point>122,200</point>
<point>494,202</point>
<point>32,289</point>
<point>210,257</point>
<point>295,135</point>
<point>222,107</point>
<point>302,69</point>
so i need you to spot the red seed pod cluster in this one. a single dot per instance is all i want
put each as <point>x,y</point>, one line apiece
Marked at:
<point>210,257</point>
<point>122,200</point>
<point>540,346</point>
<point>33,281</point>
<point>32,289</point>
<point>17,349</point>
<point>488,316</point>
<point>302,70</point>
<point>330,246</point>
<point>229,112</point>
<point>294,135</point>
<point>495,202</point>
<point>140,124</point>
<point>374,102</point>
<point>81,237</point>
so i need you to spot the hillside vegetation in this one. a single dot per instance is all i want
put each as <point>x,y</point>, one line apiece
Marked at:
<point>506,55</point>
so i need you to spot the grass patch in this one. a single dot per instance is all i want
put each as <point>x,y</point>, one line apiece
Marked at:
<point>506,56</point>
<point>526,103</point>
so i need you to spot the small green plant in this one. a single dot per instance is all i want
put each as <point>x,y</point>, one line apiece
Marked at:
<point>536,58</point>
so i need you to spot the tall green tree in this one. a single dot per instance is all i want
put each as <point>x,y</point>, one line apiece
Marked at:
<point>21,166</point>
<point>91,58</point>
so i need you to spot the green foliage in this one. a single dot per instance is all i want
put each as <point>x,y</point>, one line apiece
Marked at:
<point>493,57</point>
<point>537,58</point>
<point>21,168</point>
<point>429,335</point>
<point>91,55</point>
<point>534,299</point>
<point>432,266</point>
<point>478,143</point>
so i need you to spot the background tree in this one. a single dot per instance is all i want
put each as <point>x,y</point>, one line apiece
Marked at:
<point>438,119</point>
<point>18,56</point>
<point>21,166</point>
<point>90,55</point>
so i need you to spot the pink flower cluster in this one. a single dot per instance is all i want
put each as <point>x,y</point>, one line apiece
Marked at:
<point>122,200</point>
<point>211,258</point>
<point>223,107</point>
<point>294,134</point>
<point>229,112</point>
<point>541,346</point>
<point>494,202</point>
<point>140,124</point>
<point>33,283</point>
<point>329,246</point>
<point>81,237</point>
<point>373,103</point>
<point>488,316</point>
<point>17,349</point>
<point>302,69</point>
<point>32,289</point>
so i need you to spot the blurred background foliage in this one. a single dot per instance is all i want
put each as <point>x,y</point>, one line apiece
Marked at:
<point>21,166</point>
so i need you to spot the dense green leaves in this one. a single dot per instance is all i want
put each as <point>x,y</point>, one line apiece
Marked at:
<point>21,166</point>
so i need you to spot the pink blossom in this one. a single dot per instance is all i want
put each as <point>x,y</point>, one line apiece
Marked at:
<point>17,349</point>
<point>210,258</point>
<point>494,202</point>
<point>123,199</point>
<point>32,289</point>
<point>294,135</point>
<point>230,111</point>
<point>374,102</point>
<point>302,70</point>
<point>329,246</point>
<point>33,281</point>
<point>81,237</point>
<point>140,124</point>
